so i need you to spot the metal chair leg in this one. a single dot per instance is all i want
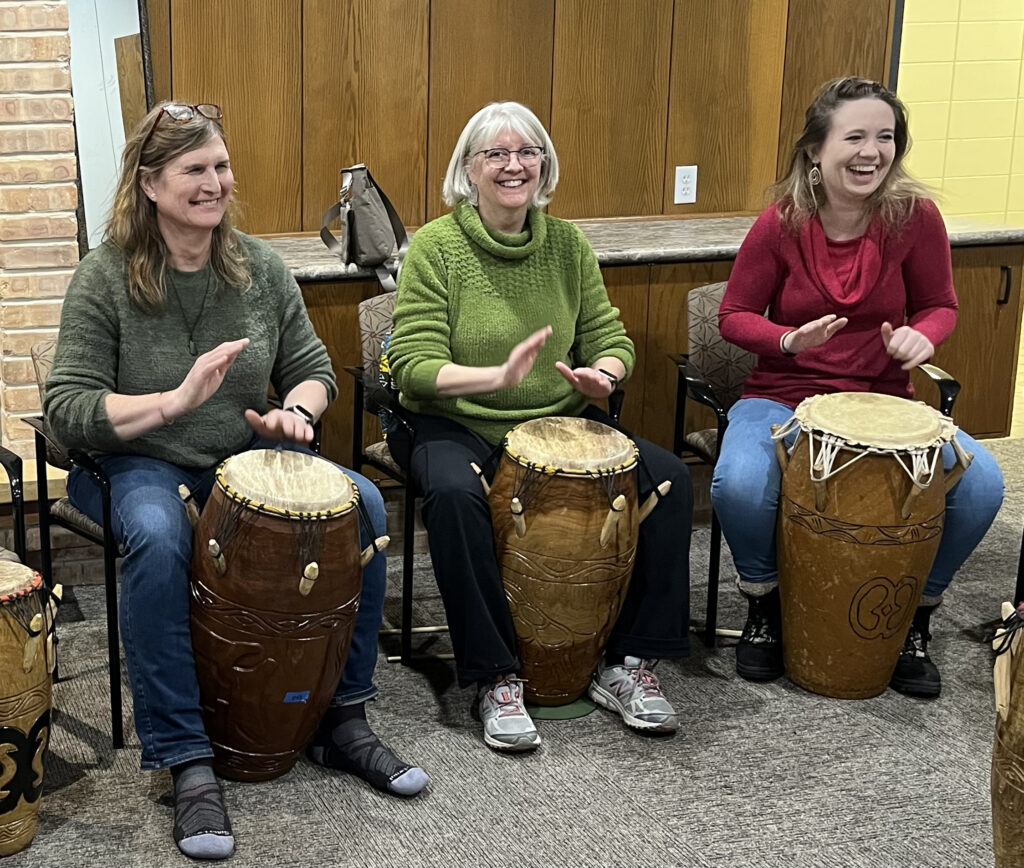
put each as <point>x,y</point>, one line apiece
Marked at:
<point>408,547</point>
<point>113,638</point>
<point>714,566</point>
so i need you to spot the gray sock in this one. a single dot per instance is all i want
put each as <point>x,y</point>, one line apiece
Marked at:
<point>201,826</point>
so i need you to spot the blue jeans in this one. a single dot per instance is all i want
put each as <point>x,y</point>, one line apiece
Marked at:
<point>747,480</point>
<point>151,524</point>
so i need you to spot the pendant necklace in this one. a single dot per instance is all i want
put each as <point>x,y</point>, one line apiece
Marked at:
<point>202,307</point>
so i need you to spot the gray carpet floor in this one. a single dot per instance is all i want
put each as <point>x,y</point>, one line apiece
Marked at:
<point>759,775</point>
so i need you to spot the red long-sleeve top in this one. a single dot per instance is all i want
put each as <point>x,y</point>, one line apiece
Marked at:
<point>783,279</point>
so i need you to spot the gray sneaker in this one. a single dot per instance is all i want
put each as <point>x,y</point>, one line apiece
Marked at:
<point>631,689</point>
<point>507,725</point>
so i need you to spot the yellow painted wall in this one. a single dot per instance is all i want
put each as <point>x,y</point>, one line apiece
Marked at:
<point>962,77</point>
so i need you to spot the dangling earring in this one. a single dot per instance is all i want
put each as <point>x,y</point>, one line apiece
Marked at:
<point>814,176</point>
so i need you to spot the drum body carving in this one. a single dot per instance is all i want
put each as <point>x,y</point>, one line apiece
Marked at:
<point>564,508</point>
<point>26,648</point>
<point>275,587</point>
<point>1008,747</point>
<point>857,534</point>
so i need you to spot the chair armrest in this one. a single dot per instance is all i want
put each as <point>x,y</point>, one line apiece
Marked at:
<point>948,387</point>
<point>12,463</point>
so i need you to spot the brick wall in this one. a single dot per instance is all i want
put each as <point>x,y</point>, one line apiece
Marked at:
<point>38,228</point>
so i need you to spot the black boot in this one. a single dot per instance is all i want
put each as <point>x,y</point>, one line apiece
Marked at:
<point>915,674</point>
<point>759,652</point>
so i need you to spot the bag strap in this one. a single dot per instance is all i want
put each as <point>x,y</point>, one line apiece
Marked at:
<point>387,276</point>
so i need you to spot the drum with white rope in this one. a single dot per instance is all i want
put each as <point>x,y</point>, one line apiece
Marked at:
<point>861,515</point>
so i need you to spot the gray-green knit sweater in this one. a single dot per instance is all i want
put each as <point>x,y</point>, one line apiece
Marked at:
<point>468,295</point>
<point>107,344</point>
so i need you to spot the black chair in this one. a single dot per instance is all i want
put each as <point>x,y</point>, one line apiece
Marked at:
<point>12,464</point>
<point>712,373</point>
<point>60,512</point>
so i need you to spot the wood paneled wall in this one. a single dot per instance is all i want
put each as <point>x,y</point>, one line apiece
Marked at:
<point>247,57</point>
<point>826,39</point>
<point>628,91</point>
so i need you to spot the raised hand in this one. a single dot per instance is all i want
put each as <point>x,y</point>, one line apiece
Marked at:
<point>520,360</point>
<point>589,382</point>
<point>278,424</point>
<point>813,333</point>
<point>906,345</point>
<point>204,378</point>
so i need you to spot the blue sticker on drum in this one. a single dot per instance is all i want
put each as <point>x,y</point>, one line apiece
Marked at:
<point>297,696</point>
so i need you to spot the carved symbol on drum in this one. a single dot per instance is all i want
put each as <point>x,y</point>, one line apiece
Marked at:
<point>879,608</point>
<point>21,757</point>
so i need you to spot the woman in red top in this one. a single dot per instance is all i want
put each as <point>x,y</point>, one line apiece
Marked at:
<point>852,265</point>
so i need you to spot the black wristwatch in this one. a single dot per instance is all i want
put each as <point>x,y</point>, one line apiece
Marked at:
<point>299,410</point>
<point>610,376</point>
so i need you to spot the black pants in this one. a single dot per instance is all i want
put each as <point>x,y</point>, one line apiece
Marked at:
<point>654,621</point>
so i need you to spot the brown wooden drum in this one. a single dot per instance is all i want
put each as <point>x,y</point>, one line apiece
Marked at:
<point>1008,748</point>
<point>276,578</point>
<point>26,648</point>
<point>860,519</point>
<point>565,514</point>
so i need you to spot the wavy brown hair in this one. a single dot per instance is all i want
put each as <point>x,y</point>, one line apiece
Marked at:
<point>895,197</point>
<point>133,226</point>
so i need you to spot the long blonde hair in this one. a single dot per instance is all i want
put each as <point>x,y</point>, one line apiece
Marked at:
<point>895,197</point>
<point>133,225</point>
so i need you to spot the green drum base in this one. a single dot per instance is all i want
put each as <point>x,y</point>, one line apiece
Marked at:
<point>570,711</point>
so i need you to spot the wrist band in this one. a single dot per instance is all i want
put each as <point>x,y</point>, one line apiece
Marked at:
<point>610,376</point>
<point>782,343</point>
<point>301,411</point>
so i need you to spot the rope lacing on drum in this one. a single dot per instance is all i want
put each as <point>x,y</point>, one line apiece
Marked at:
<point>229,522</point>
<point>920,470</point>
<point>1013,622</point>
<point>530,481</point>
<point>19,607</point>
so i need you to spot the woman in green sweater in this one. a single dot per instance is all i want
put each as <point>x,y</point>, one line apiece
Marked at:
<point>171,332</point>
<point>502,316</point>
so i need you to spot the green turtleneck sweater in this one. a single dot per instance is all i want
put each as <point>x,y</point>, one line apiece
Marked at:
<point>107,344</point>
<point>468,294</point>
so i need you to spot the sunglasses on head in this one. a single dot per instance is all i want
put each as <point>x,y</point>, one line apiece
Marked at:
<point>182,113</point>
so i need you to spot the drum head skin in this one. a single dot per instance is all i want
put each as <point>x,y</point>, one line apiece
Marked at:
<point>880,421</point>
<point>16,578</point>
<point>292,481</point>
<point>570,443</point>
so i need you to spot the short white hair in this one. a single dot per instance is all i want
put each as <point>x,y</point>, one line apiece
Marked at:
<point>480,131</point>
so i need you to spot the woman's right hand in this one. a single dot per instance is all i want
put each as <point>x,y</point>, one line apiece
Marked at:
<point>520,360</point>
<point>812,334</point>
<point>202,380</point>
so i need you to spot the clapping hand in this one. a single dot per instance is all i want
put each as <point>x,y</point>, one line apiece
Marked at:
<point>588,381</point>
<point>204,378</point>
<point>279,424</point>
<point>520,360</point>
<point>906,345</point>
<point>813,333</point>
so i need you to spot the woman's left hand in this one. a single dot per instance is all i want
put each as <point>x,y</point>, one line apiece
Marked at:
<point>278,424</point>
<point>907,345</point>
<point>588,381</point>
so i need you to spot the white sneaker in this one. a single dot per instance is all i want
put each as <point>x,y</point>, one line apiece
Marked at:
<point>631,689</point>
<point>507,725</point>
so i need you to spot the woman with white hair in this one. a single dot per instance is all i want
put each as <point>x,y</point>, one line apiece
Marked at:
<point>502,316</point>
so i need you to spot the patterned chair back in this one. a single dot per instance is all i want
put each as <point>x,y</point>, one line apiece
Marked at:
<point>374,326</point>
<point>723,365</point>
<point>42,362</point>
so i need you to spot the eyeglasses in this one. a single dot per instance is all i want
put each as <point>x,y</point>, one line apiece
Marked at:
<point>499,158</point>
<point>182,113</point>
